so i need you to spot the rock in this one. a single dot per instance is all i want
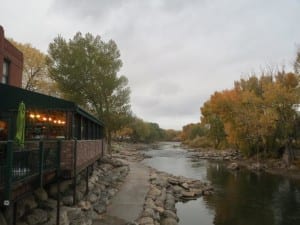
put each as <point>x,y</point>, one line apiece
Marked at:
<point>257,166</point>
<point>170,204</point>
<point>169,214</point>
<point>161,182</point>
<point>63,219</point>
<point>173,181</point>
<point>92,197</point>
<point>25,205</point>
<point>188,194</point>
<point>154,191</point>
<point>184,185</point>
<point>76,217</point>
<point>100,207</point>
<point>79,196</point>
<point>148,212</point>
<point>112,192</point>
<point>197,192</point>
<point>293,167</point>
<point>40,194</point>
<point>177,189</point>
<point>159,209</point>
<point>159,203</point>
<point>68,200</point>
<point>18,223</point>
<point>48,205</point>
<point>106,167</point>
<point>64,186</point>
<point>149,203</point>
<point>2,219</point>
<point>233,166</point>
<point>153,176</point>
<point>146,220</point>
<point>37,216</point>
<point>168,221</point>
<point>84,205</point>
<point>91,214</point>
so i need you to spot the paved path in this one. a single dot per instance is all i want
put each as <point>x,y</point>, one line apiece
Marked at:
<point>127,204</point>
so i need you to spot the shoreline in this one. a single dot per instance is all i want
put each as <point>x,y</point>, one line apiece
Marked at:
<point>165,189</point>
<point>236,161</point>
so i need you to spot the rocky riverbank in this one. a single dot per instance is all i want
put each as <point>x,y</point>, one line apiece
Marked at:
<point>104,182</point>
<point>165,190</point>
<point>236,161</point>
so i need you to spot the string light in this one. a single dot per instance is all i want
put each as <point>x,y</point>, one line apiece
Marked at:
<point>45,118</point>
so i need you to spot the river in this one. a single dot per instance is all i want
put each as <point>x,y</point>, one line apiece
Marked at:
<point>240,197</point>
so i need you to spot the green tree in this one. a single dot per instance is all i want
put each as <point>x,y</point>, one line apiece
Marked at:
<point>85,69</point>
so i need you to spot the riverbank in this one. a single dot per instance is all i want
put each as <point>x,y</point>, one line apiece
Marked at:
<point>165,189</point>
<point>40,208</point>
<point>107,179</point>
<point>236,161</point>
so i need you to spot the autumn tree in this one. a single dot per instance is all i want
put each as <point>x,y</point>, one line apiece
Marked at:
<point>35,76</point>
<point>257,115</point>
<point>86,71</point>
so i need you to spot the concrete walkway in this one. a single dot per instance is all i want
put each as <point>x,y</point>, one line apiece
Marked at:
<point>127,204</point>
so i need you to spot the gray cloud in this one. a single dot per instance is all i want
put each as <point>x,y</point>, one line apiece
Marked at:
<point>175,53</point>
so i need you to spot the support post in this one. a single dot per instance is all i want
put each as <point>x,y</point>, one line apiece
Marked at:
<point>8,178</point>
<point>41,163</point>
<point>74,171</point>
<point>86,180</point>
<point>15,205</point>
<point>58,182</point>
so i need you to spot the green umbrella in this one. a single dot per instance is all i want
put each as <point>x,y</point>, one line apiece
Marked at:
<point>20,134</point>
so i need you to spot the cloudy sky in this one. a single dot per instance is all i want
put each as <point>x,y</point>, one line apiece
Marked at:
<point>176,53</point>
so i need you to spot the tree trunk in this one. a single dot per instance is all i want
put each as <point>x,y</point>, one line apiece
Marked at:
<point>109,141</point>
<point>289,154</point>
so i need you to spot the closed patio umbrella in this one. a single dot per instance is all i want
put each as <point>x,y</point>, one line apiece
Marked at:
<point>20,125</point>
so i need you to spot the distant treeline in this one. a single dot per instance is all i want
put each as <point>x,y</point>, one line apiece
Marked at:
<point>137,130</point>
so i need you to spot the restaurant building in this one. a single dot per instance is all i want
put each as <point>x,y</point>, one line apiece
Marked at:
<point>61,139</point>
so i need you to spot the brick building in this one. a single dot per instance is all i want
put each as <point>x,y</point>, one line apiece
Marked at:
<point>11,62</point>
<point>62,140</point>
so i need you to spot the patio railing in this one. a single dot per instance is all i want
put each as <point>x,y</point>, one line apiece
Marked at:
<point>21,164</point>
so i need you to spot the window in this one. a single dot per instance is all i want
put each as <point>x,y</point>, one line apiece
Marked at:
<point>5,72</point>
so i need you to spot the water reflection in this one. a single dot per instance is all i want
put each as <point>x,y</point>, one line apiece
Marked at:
<point>241,197</point>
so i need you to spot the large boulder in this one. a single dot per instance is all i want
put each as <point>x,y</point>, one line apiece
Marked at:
<point>233,166</point>
<point>40,194</point>
<point>37,216</point>
<point>169,221</point>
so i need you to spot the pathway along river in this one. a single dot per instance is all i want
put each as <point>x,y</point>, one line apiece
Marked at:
<point>240,198</point>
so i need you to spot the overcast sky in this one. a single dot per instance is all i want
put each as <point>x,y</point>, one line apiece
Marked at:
<point>175,53</point>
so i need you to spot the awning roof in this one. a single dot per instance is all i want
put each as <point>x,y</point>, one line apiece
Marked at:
<point>11,96</point>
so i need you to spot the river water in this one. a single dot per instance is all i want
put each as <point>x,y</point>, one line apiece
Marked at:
<point>240,197</point>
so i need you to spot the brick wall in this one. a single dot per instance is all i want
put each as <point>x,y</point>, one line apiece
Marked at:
<point>15,58</point>
<point>88,151</point>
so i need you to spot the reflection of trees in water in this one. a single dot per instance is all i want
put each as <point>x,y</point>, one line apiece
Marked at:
<point>247,198</point>
<point>286,202</point>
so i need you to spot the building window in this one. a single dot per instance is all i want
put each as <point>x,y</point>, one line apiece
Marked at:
<point>5,73</point>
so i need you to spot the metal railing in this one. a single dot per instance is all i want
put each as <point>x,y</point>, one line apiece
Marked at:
<point>20,164</point>
<point>2,163</point>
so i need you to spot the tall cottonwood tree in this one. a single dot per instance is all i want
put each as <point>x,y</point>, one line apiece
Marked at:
<point>85,69</point>
<point>297,62</point>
